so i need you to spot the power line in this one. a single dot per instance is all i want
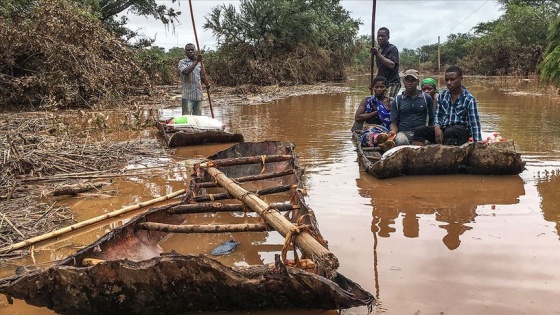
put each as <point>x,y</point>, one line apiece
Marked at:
<point>485,2</point>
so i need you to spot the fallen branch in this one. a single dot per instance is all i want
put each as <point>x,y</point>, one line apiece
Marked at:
<point>74,189</point>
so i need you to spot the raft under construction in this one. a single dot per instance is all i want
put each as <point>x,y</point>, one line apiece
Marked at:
<point>127,271</point>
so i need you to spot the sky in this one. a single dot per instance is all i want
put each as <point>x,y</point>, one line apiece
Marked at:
<point>412,23</point>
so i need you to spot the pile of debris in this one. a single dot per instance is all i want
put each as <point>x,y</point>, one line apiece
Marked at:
<point>56,54</point>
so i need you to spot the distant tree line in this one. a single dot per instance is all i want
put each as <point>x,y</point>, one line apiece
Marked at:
<point>524,40</point>
<point>60,53</point>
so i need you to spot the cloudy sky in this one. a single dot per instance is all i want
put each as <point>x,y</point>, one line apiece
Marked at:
<point>412,23</point>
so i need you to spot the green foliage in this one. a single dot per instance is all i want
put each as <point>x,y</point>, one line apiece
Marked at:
<point>428,57</point>
<point>508,46</point>
<point>108,12</point>
<point>19,7</point>
<point>160,66</point>
<point>553,5</point>
<point>455,49</point>
<point>409,59</point>
<point>281,40</point>
<point>550,66</point>
<point>362,59</point>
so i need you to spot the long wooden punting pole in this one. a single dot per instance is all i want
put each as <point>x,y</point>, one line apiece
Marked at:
<point>372,61</point>
<point>91,221</point>
<point>201,62</point>
<point>303,240</point>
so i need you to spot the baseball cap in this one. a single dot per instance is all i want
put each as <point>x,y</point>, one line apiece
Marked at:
<point>411,73</point>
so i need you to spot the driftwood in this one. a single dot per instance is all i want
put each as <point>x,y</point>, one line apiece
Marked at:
<point>175,284</point>
<point>206,228</point>
<point>75,189</point>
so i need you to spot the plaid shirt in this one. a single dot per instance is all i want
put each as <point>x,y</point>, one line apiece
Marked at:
<point>191,86</point>
<point>463,112</point>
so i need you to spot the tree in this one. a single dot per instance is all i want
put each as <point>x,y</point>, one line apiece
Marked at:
<point>508,45</point>
<point>553,5</point>
<point>408,59</point>
<point>428,57</point>
<point>455,48</point>
<point>109,10</point>
<point>550,66</point>
<point>292,40</point>
<point>362,61</point>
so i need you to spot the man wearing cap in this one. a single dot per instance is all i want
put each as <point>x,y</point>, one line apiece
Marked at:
<point>387,61</point>
<point>456,117</point>
<point>411,109</point>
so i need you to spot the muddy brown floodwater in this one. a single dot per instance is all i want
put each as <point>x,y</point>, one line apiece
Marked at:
<point>422,245</point>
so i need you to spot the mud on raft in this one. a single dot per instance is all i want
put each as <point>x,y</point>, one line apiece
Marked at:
<point>126,271</point>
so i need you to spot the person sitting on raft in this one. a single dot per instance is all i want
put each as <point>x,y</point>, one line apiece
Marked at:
<point>456,117</point>
<point>429,86</point>
<point>375,112</point>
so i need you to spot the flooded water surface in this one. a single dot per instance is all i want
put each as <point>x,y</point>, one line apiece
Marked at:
<point>458,244</point>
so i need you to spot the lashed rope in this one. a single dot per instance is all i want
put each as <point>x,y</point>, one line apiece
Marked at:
<point>292,234</point>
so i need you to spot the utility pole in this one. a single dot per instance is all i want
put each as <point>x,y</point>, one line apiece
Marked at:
<point>438,56</point>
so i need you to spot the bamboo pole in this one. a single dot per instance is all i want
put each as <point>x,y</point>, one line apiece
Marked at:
<point>222,196</point>
<point>205,228</point>
<point>250,178</point>
<point>78,225</point>
<point>219,207</point>
<point>307,244</point>
<point>246,160</point>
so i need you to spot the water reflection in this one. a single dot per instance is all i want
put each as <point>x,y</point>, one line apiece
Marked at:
<point>549,189</point>
<point>452,200</point>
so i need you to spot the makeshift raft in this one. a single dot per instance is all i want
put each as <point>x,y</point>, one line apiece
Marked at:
<point>126,271</point>
<point>497,158</point>
<point>193,130</point>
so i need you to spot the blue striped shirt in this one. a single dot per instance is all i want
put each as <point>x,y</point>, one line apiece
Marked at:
<point>191,85</point>
<point>463,112</point>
